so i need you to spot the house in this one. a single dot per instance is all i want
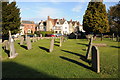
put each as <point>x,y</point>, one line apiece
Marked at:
<point>41,26</point>
<point>27,27</point>
<point>61,26</point>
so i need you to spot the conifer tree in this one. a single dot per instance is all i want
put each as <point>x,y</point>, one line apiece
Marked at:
<point>10,18</point>
<point>95,19</point>
<point>114,18</point>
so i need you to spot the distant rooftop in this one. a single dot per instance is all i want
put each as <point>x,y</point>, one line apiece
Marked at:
<point>27,22</point>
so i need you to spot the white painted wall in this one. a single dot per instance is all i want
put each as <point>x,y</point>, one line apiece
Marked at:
<point>65,28</point>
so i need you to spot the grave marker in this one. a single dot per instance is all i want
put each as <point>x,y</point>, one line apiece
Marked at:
<point>51,45</point>
<point>13,53</point>
<point>95,59</point>
<point>29,46</point>
<point>88,54</point>
<point>21,40</point>
<point>60,41</point>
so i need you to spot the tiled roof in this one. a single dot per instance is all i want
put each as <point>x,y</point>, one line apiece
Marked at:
<point>27,22</point>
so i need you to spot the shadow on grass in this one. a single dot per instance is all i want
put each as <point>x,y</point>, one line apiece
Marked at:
<point>115,46</point>
<point>7,52</point>
<point>81,56</point>
<point>43,48</point>
<point>23,46</point>
<point>56,44</point>
<point>83,44</point>
<point>74,53</point>
<point>15,70</point>
<point>76,62</point>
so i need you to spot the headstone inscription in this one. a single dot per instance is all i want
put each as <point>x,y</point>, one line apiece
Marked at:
<point>95,59</point>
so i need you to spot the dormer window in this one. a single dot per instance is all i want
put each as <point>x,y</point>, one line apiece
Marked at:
<point>57,22</point>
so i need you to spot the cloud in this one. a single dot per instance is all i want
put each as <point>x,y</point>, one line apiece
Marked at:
<point>48,11</point>
<point>77,8</point>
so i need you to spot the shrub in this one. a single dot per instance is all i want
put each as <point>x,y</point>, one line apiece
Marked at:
<point>44,33</point>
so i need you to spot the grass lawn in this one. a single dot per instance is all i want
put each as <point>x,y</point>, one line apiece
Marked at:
<point>64,62</point>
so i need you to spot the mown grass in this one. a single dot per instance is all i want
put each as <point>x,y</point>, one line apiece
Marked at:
<point>64,62</point>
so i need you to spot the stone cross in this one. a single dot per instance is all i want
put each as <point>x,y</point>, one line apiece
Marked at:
<point>95,59</point>
<point>21,40</point>
<point>29,46</point>
<point>13,53</point>
<point>51,45</point>
<point>60,41</point>
<point>88,55</point>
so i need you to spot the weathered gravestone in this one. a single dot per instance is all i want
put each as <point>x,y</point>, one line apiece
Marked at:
<point>33,39</point>
<point>29,46</point>
<point>113,36</point>
<point>88,54</point>
<point>5,44</point>
<point>21,40</point>
<point>117,38</point>
<point>51,45</point>
<point>13,53</point>
<point>60,41</point>
<point>95,59</point>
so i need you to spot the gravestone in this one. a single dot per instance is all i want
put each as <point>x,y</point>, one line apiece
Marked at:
<point>88,54</point>
<point>95,59</point>
<point>21,40</point>
<point>33,39</point>
<point>13,53</point>
<point>113,36</point>
<point>5,44</point>
<point>117,38</point>
<point>51,45</point>
<point>60,41</point>
<point>29,46</point>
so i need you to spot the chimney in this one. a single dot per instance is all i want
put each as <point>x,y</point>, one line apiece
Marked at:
<point>63,19</point>
<point>71,20</point>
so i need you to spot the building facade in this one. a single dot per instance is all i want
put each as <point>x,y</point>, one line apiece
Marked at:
<point>27,27</point>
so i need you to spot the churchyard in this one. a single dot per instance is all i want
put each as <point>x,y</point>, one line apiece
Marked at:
<point>59,58</point>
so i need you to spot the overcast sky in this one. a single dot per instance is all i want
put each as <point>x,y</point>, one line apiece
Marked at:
<point>37,11</point>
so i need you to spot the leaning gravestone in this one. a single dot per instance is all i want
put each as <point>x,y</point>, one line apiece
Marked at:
<point>88,55</point>
<point>51,45</point>
<point>60,41</point>
<point>29,46</point>
<point>95,59</point>
<point>13,53</point>
<point>21,40</point>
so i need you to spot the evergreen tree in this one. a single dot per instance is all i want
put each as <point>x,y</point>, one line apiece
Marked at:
<point>95,19</point>
<point>10,18</point>
<point>114,18</point>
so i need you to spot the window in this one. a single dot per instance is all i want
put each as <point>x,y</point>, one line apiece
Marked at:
<point>55,31</point>
<point>65,27</point>
<point>29,31</point>
<point>57,22</point>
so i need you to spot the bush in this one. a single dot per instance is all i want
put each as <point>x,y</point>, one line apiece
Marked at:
<point>44,33</point>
